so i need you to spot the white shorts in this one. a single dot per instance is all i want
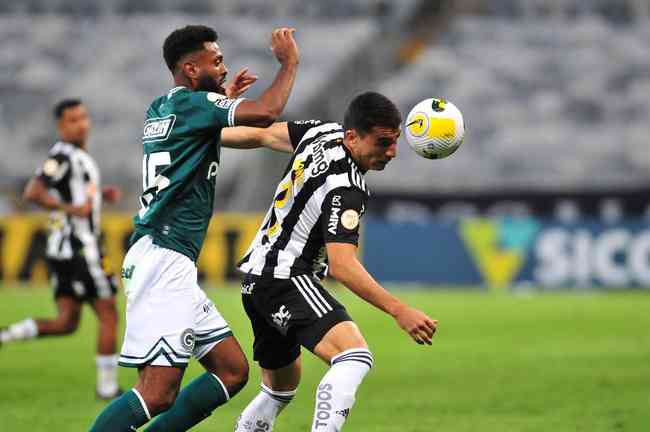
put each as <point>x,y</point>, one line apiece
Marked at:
<point>169,318</point>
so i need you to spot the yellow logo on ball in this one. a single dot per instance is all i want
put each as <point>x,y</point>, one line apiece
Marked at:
<point>418,125</point>
<point>442,128</point>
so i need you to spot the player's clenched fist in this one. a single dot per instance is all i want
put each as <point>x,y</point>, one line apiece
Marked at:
<point>417,324</point>
<point>284,45</point>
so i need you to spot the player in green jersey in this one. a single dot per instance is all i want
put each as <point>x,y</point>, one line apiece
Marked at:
<point>169,319</point>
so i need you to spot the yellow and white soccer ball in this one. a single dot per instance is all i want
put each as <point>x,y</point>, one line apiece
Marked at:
<point>435,128</point>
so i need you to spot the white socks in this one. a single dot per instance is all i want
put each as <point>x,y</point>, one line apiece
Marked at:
<point>261,413</point>
<point>106,375</point>
<point>336,392</point>
<point>22,330</point>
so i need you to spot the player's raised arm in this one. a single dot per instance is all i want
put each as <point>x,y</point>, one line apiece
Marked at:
<point>263,111</point>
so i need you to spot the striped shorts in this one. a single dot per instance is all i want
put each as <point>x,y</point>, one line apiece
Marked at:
<point>286,314</point>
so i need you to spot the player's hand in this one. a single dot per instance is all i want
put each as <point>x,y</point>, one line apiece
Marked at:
<point>284,46</point>
<point>417,324</point>
<point>79,211</point>
<point>240,83</point>
<point>111,194</point>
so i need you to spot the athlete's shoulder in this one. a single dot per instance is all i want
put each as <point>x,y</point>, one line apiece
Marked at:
<point>314,129</point>
<point>346,168</point>
<point>57,164</point>
<point>63,149</point>
<point>200,108</point>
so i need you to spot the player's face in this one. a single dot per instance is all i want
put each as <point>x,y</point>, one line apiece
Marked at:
<point>74,125</point>
<point>376,148</point>
<point>211,69</point>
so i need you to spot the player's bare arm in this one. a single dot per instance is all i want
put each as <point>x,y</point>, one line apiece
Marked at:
<point>276,137</point>
<point>36,191</point>
<point>345,267</point>
<point>268,107</point>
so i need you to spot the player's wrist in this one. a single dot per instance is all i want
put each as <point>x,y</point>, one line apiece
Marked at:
<point>395,308</point>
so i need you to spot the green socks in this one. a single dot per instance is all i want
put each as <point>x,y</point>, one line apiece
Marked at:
<point>194,403</point>
<point>124,414</point>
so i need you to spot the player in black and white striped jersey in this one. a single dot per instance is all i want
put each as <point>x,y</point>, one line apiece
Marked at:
<point>67,184</point>
<point>290,241</point>
<point>312,228</point>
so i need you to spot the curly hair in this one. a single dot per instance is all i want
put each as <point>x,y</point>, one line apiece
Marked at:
<point>184,41</point>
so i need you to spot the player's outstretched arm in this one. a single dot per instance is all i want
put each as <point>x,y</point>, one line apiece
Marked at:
<point>276,137</point>
<point>268,107</point>
<point>346,268</point>
<point>36,191</point>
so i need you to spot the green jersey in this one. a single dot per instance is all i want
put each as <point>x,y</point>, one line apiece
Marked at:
<point>181,136</point>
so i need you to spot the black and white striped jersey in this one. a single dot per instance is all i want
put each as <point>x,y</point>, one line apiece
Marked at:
<point>320,199</point>
<point>70,173</point>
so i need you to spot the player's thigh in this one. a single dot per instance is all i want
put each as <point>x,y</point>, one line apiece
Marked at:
<point>274,346</point>
<point>323,325</point>
<point>285,378</point>
<point>342,337</point>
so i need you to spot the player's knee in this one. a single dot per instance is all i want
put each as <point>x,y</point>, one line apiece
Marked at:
<point>159,402</point>
<point>69,324</point>
<point>235,377</point>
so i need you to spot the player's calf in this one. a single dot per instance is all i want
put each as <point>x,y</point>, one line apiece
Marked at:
<point>346,350</point>
<point>277,391</point>
<point>226,374</point>
<point>336,392</point>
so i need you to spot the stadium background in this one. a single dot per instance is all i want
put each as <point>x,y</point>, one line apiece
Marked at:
<point>550,192</point>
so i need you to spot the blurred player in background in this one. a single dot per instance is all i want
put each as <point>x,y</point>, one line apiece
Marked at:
<point>68,183</point>
<point>312,228</point>
<point>169,318</point>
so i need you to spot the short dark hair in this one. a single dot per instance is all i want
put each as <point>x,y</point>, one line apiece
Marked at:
<point>371,109</point>
<point>63,105</point>
<point>185,40</point>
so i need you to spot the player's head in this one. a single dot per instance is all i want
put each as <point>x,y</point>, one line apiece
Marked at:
<point>72,121</point>
<point>372,126</point>
<point>194,57</point>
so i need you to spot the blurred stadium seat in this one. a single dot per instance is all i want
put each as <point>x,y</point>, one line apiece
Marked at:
<point>554,91</point>
<point>548,103</point>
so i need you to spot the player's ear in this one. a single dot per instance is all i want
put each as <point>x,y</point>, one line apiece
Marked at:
<point>351,136</point>
<point>190,69</point>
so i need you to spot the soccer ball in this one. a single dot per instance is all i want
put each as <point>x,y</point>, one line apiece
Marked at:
<point>434,128</point>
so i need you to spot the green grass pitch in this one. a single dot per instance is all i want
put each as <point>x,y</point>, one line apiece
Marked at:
<point>500,362</point>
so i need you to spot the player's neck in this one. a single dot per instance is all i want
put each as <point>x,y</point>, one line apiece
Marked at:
<point>351,152</point>
<point>181,80</point>
<point>79,144</point>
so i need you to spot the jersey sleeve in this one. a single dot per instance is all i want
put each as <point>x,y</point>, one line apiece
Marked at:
<point>209,110</point>
<point>342,210</point>
<point>54,169</point>
<point>298,129</point>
